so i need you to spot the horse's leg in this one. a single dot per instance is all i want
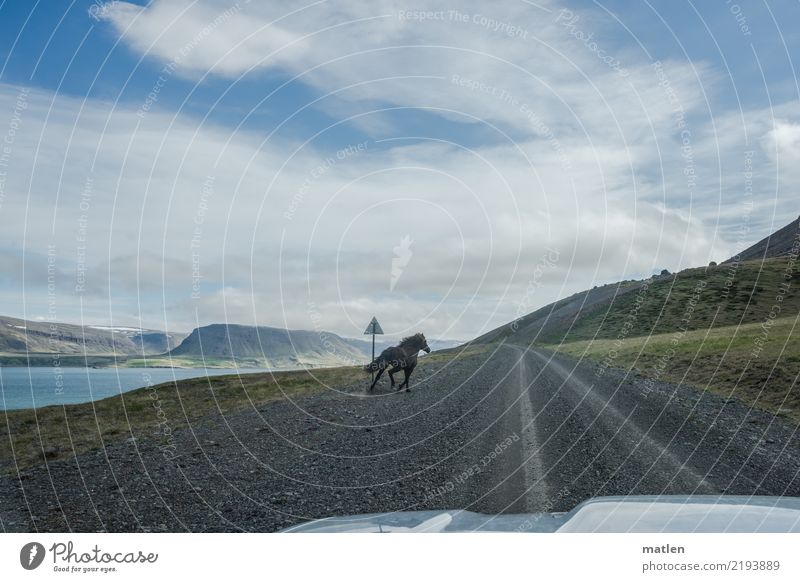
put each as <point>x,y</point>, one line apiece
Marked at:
<point>407,373</point>
<point>377,377</point>
<point>392,372</point>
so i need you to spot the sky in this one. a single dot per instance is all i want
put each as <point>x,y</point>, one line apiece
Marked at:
<point>446,167</point>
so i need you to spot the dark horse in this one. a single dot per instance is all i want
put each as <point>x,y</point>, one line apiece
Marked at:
<point>400,357</point>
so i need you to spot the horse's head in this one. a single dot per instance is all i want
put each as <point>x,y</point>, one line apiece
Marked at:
<point>416,341</point>
<point>424,343</point>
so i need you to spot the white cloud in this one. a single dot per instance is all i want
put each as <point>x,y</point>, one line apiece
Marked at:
<point>303,237</point>
<point>461,59</point>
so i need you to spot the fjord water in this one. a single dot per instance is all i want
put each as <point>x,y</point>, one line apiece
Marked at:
<point>34,387</point>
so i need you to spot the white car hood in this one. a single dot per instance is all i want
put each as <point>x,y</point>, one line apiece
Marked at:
<point>634,514</point>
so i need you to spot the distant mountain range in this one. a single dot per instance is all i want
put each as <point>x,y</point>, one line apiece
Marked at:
<point>274,347</point>
<point>269,347</point>
<point>20,336</point>
<point>215,345</point>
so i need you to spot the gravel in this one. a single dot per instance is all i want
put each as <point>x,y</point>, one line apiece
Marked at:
<point>494,432</point>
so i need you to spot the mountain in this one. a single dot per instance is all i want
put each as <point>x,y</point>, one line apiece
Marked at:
<point>544,324</point>
<point>732,293</point>
<point>724,295</point>
<point>270,347</point>
<point>19,336</point>
<point>778,244</point>
<point>273,347</point>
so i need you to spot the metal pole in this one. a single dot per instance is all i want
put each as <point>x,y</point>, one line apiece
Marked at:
<point>373,351</point>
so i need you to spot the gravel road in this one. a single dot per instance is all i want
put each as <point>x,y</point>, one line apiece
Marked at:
<point>510,430</point>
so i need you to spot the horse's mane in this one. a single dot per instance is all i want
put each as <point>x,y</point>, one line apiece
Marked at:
<point>411,340</point>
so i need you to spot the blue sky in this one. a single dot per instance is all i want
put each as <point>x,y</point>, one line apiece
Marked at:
<point>489,136</point>
<point>61,47</point>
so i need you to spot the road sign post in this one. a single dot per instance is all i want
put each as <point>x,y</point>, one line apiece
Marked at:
<point>373,328</point>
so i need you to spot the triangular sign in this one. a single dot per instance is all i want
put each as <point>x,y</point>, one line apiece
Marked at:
<point>373,327</point>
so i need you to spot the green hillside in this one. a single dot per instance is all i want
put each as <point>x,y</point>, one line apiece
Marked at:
<point>722,295</point>
<point>694,299</point>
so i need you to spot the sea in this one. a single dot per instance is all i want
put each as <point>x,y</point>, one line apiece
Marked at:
<point>34,387</point>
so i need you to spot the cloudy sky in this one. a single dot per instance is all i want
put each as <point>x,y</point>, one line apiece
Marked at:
<point>443,166</point>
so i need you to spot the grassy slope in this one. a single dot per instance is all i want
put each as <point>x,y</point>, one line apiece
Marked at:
<point>52,432</point>
<point>730,361</point>
<point>722,348</point>
<point>749,300</point>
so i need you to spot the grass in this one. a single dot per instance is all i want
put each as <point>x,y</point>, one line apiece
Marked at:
<point>728,296</point>
<point>28,437</point>
<point>188,362</point>
<point>705,327</point>
<point>756,364</point>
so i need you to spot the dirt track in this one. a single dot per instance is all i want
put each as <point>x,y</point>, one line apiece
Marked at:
<point>506,431</point>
